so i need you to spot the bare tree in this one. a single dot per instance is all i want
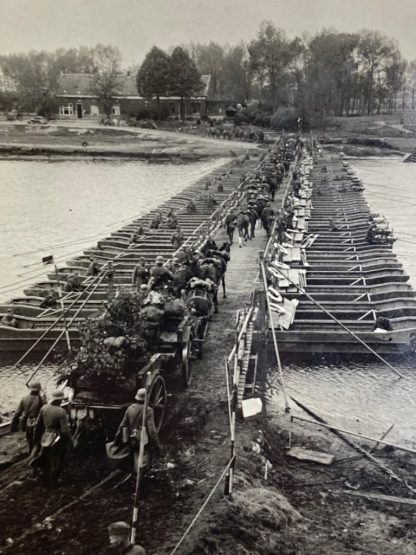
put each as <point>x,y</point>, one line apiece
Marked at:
<point>271,56</point>
<point>106,83</point>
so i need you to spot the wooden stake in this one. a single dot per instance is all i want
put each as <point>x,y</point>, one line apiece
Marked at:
<point>368,438</point>
<point>140,463</point>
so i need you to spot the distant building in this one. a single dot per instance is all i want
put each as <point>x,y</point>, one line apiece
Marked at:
<point>75,99</point>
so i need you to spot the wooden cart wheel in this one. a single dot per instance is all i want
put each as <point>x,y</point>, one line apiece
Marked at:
<point>186,363</point>
<point>200,335</point>
<point>157,400</point>
<point>202,331</point>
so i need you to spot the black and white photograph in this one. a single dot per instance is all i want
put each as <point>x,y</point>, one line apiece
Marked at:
<point>207,277</point>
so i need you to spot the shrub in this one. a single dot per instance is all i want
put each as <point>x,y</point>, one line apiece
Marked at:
<point>284,119</point>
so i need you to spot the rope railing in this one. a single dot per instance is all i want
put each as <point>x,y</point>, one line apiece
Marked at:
<point>64,330</point>
<point>205,503</point>
<point>61,317</point>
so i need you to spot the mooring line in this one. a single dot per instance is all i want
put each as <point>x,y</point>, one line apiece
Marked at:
<point>303,292</point>
<point>205,503</point>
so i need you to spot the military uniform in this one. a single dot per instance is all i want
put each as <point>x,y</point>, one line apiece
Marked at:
<point>26,414</point>
<point>52,435</point>
<point>119,533</point>
<point>130,429</point>
<point>177,239</point>
<point>160,275</point>
<point>140,275</point>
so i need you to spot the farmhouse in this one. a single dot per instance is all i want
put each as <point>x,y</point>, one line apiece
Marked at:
<point>76,100</point>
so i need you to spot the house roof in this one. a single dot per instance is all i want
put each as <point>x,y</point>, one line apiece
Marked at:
<point>80,84</point>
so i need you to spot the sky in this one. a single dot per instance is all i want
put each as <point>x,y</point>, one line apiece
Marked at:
<point>136,25</point>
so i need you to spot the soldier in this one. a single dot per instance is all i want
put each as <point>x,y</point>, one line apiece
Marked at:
<point>252,213</point>
<point>24,418</point>
<point>267,217</point>
<point>73,282</point>
<point>177,238</point>
<point>157,221</point>
<point>110,278</point>
<point>50,300</point>
<point>52,436</point>
<point>9,319</point>
<point>159,274</point>
<point>333,226</point>
<point>211,201</point>
<point>172,220</point>
<point>140,273</point>
<point>209,245</point>
<point>370,235</point>
<point>134,238</point>
<point>191,207</point>
<point>129,431</point>
<point>231,224</point>
<point>93,268</point>
<point>119,533</point>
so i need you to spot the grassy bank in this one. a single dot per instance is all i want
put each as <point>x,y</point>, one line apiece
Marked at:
<point>362,136</point>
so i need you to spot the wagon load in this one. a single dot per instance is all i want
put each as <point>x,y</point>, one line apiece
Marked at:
<point>199,297</point>
<point>175,310</point>
<point>152,316</point>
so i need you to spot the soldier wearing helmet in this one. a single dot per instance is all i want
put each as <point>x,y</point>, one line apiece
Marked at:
<point>129,430</point>
<point>159,274</point>
<point>119,533</point>
<point>24,418</point>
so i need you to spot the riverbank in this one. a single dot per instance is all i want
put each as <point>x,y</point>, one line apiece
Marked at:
<point>90,140</point>
<point>365,136</point>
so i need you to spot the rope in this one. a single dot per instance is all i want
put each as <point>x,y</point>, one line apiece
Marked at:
<point>343,326</point>
<point>276,348</point>
<point>63,331</point>
<point>198,514</point>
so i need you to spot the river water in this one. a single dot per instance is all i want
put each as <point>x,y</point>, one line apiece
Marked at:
<point>62,208</point>
<point>53,203</point>
<point>363,395</point>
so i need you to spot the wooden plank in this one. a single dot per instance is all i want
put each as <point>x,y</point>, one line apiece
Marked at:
<point>381,497</point>
<point>312,456</point>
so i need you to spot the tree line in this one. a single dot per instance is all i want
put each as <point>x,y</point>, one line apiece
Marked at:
<point>330,73</point>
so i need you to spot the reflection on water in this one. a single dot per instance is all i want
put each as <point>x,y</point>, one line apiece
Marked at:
<point>45,205</point>
<point>362,396</point>
<point>13,380</point>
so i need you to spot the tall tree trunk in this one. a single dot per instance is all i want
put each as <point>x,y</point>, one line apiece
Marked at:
<point>182,108</point>
<point>370,93</point>
<point>158,107</point>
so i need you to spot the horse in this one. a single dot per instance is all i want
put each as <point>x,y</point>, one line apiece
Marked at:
<point>212,268</point>
<point>199,299</point>
<point>223,256</point>
<point>230,227</point>
<point>243,222</point>
<point>181,276</point>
